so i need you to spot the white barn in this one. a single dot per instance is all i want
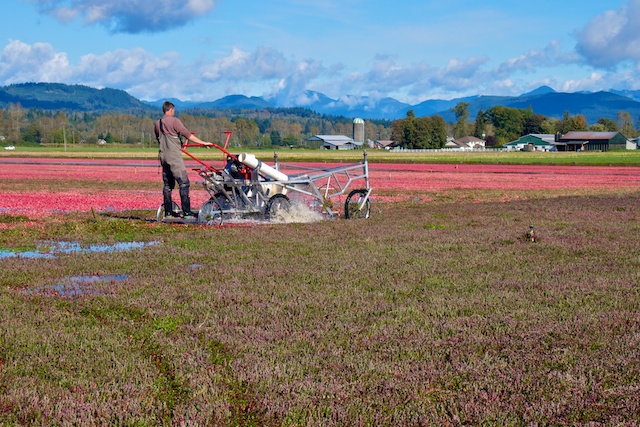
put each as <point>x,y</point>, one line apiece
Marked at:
<point>335,142</point>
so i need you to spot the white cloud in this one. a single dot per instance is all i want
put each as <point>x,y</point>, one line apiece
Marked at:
<point>269,72</point>
<point>122,67</point>
<point>264,63</point>
<point>290,90</point>
<point>128,16</point>
<point>20,62</point>
<point>612,38</point>
<point>575,85</point>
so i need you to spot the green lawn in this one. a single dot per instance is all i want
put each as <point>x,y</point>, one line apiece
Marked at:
<point>614,158</point>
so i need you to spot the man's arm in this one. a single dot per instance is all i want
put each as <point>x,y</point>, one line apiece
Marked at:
<point>197,140</point>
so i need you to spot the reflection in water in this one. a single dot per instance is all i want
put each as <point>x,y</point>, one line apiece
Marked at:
<point>77,285</point>
<point>52,249</point>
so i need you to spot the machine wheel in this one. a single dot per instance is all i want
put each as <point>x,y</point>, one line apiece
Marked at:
<point>277,206</point>
<point>160,214</point>
<point>353,207</point>
<point>210,213</point>
<point>223,202</point>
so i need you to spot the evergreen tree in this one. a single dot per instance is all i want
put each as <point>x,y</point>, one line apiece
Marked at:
<point>460,128</point>
<point>479,130</point>
<point>276,139</point>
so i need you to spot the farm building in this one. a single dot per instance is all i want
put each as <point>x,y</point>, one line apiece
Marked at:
<point>385,144</point>
<point>592,141</point>
<point>335,142</point>
<point>466,143</point>
<point>533,142</point>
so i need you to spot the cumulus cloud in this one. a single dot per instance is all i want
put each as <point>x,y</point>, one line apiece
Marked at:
<point>458,75</point>
<point>124,67</point>
<point>290,82</point>
<point>384,77</point>
<point>291,89</point>
<point>263,63</point>
<point>147,76</point>
<point>534,59</point>
<point>611,38</point>
<point>387,77</point>
<point>127,16</point>
<point>20,62</point>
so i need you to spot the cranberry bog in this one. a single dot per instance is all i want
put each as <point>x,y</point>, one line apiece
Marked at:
<point>439,309</point>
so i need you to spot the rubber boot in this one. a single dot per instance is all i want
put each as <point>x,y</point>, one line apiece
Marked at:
<point>185,201</point>
<point>168,203</point>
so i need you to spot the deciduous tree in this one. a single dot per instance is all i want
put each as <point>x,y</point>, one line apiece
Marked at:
<point>421,133</point>
<point>508,123</point>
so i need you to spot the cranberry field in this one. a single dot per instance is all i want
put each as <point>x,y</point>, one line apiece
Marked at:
<point>438,310</point>
<point>36,187</point>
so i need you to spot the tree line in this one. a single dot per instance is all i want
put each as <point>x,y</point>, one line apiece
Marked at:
<point>497,126</point>
<point>292,126</point>
<point>250,128</point>
<point>500,125</point>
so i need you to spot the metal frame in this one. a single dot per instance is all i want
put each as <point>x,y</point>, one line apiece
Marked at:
<point>253,193</point>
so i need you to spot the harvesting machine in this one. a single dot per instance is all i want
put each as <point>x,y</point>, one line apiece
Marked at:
<point>245,187</point>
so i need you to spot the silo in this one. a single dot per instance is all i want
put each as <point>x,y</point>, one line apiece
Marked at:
<point>358,130</point>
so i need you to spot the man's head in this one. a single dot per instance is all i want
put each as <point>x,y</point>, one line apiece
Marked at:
<point>167,106</point>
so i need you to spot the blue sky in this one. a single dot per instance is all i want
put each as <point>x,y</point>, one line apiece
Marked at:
<point>411,50</point>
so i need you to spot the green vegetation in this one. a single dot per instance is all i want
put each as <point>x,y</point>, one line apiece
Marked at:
<point>421,133</point>
<point>251,128</point>
<point>428,313</point>
<point>587,158</point>
<point>63,97</point>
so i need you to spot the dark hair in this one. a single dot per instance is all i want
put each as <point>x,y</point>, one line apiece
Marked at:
<point>168,105</point>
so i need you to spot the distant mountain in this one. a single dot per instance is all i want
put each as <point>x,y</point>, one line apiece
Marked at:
<point>348,105</point>
<point>544,100</point>
<point>355,106</point>
<point>633,94</point>
<point>554,104</point>
<point>592,105</point>
<point>434,106</point>
<point>542,90</point>
<point>230,102</point>
<point>236,101</point>
<point>178,103</point>
<point>57,96</point>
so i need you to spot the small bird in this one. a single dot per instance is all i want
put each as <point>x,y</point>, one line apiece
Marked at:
<point>531,233</point>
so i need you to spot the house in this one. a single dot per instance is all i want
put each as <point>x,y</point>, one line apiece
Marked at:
<point>533,142</point>
<point>385,144</point>
<point>451,144</point>
<point>591,141</point>
<point>470,143</point>
<point>335,142</point>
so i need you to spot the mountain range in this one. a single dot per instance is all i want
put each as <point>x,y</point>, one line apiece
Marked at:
<point>544,100</point>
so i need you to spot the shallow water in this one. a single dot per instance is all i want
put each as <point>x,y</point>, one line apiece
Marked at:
<point>74,286</point>
<point>53,249</point>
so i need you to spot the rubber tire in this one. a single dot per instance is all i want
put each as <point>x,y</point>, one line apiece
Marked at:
<point>211,213</point>
<point>352,204</point>
<point>276,204</point>
<point>160,213</point>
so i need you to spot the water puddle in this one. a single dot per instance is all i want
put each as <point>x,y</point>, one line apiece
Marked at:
<point>75,286</point>
<point>53,249</point>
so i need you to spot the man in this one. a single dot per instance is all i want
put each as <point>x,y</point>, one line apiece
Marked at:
<point>168,130</point>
